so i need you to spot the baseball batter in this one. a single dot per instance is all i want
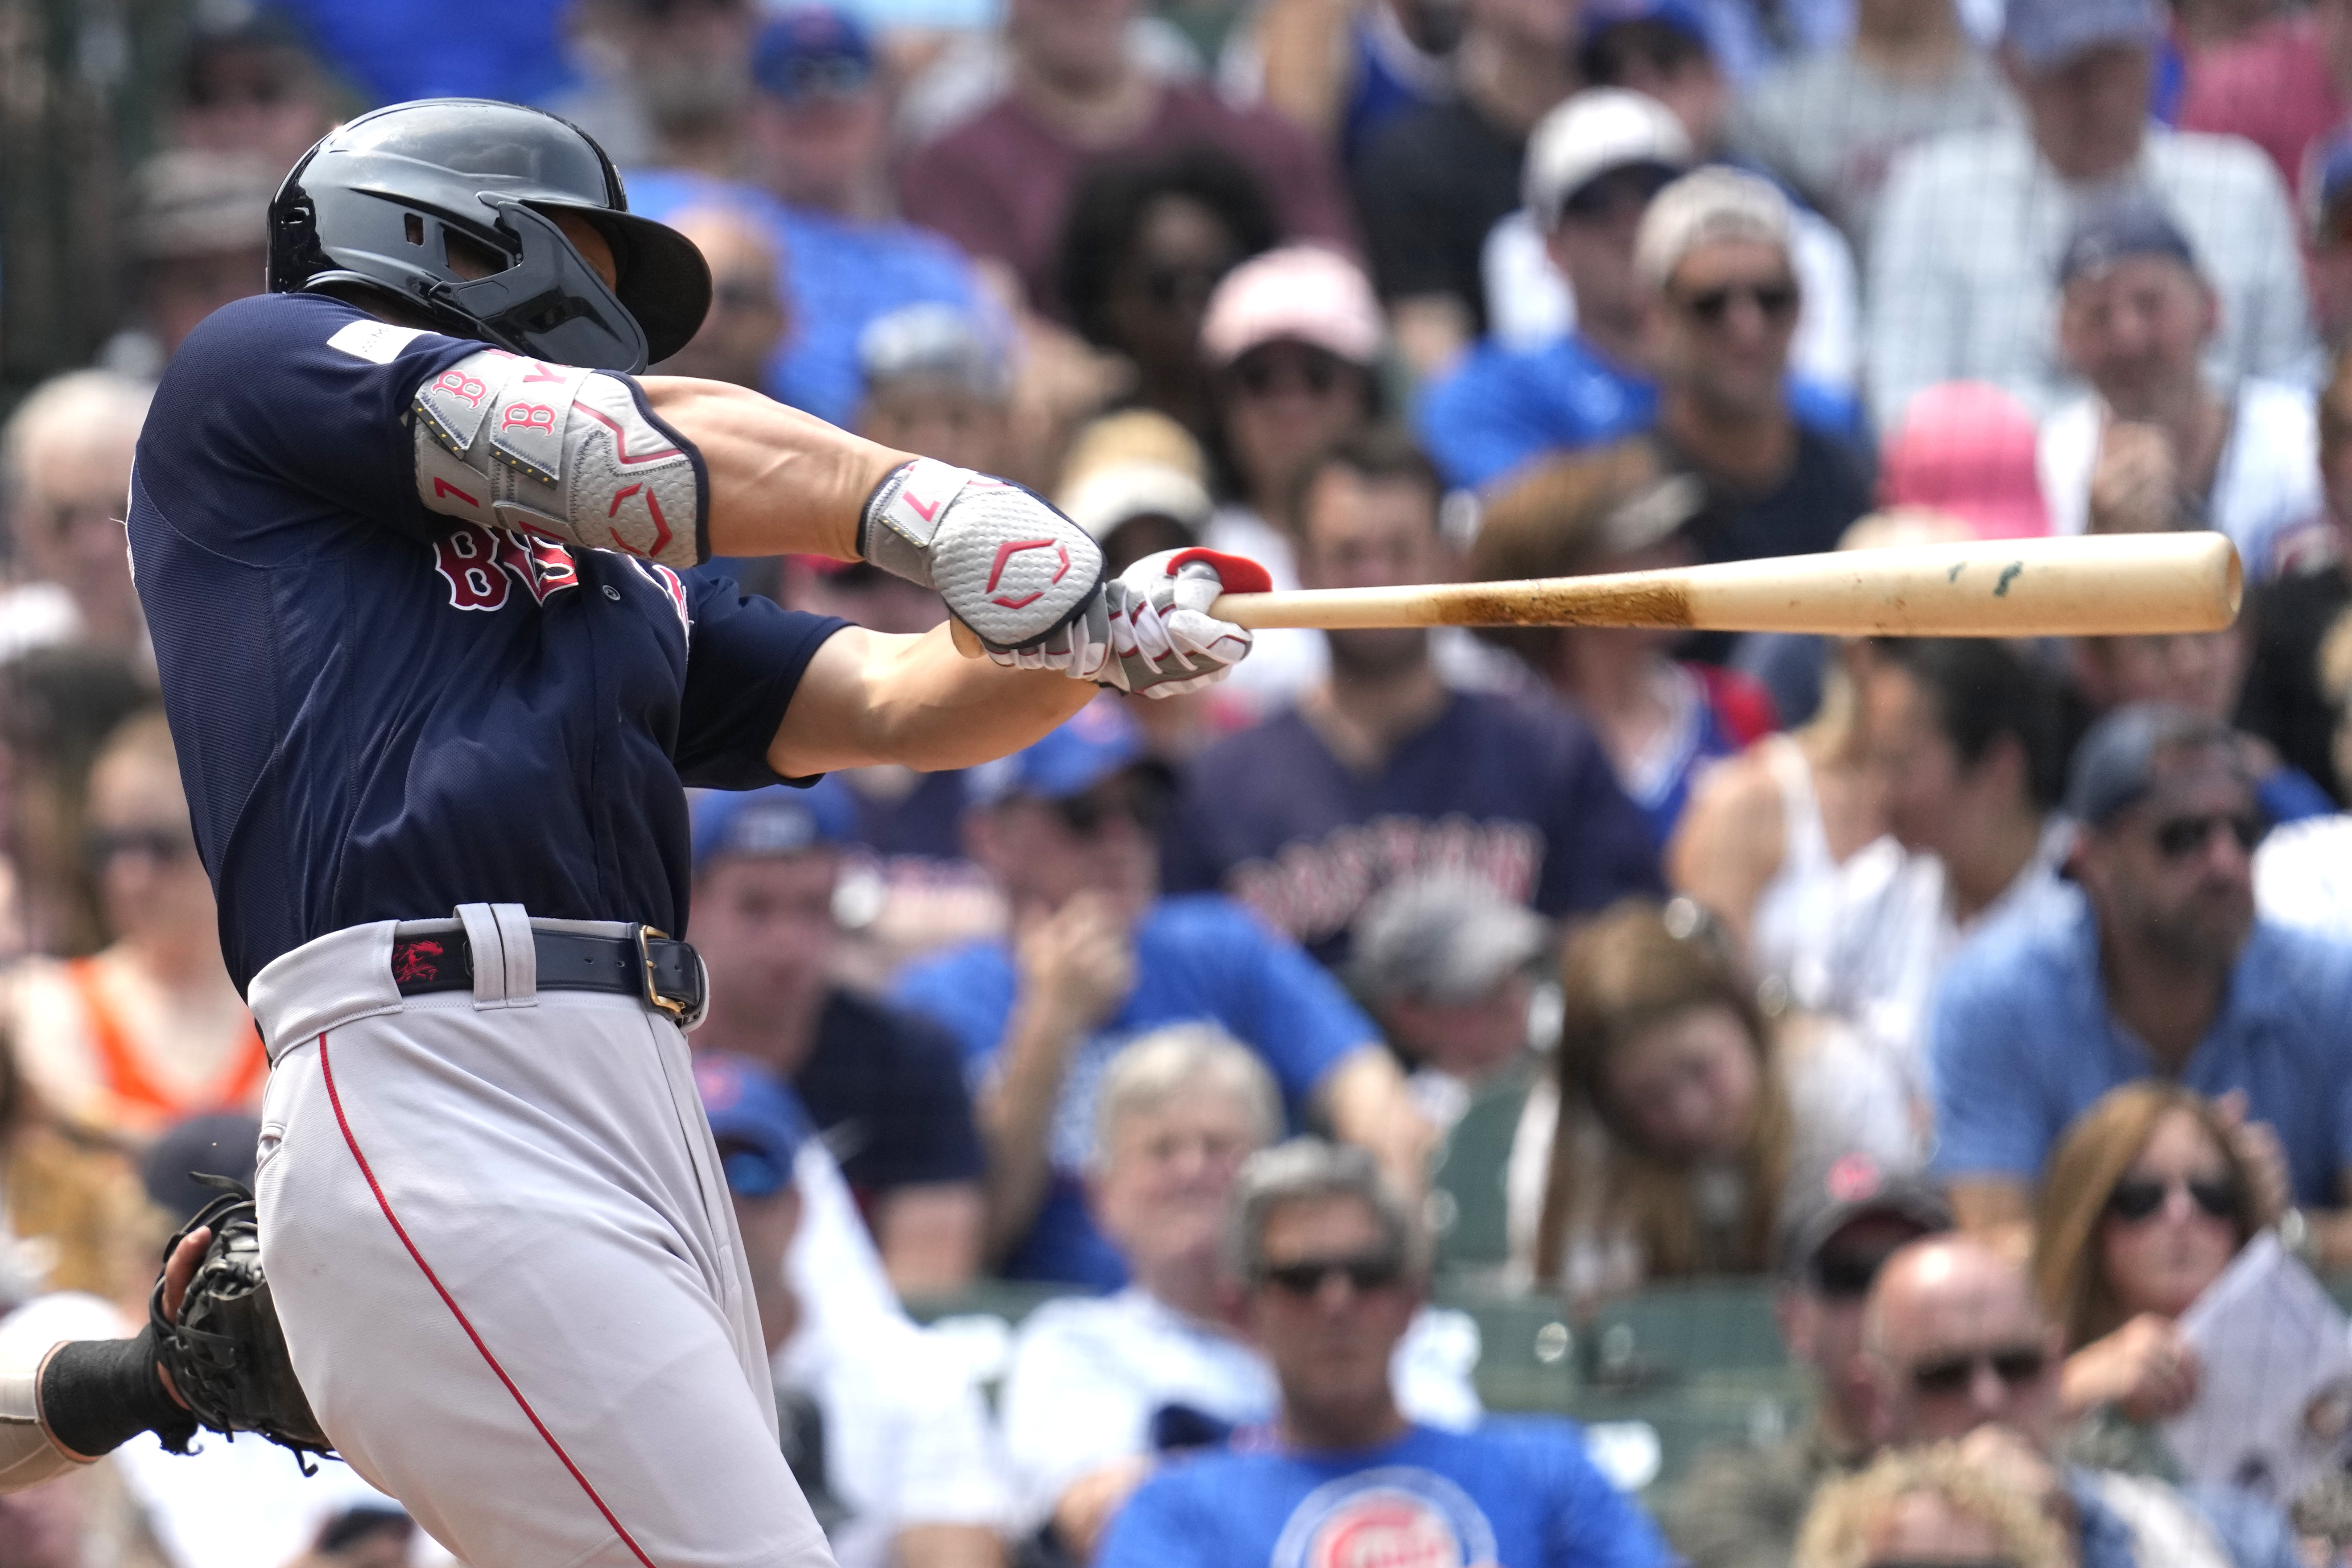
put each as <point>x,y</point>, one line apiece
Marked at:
<point>412,539</point>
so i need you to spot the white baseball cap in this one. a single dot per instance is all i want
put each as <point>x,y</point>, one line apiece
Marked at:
<point>1600,129</point>
<point>1302,292</point>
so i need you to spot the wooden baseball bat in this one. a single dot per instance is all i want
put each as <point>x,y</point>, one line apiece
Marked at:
<point>2102,586</point>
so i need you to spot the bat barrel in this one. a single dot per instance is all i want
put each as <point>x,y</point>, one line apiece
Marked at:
<point>2093,586</point>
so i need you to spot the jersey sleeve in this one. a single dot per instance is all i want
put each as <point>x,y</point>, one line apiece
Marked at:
<point>285,395</point>
<point>744,659</point>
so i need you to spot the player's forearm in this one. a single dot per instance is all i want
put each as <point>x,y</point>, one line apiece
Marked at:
<point>867,698</point>
<point>782,481</point>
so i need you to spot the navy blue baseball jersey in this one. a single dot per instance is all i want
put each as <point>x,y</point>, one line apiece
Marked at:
<point>382,713</point>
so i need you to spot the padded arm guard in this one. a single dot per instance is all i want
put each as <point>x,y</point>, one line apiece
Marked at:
<point>1010,566</point>
<point>27,1456</point>
<point>573,454</point>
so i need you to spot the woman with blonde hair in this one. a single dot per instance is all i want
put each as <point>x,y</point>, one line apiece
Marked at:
<point>2142,1206</point>
<point>1927,1505</point>
<point>1681,1120</point>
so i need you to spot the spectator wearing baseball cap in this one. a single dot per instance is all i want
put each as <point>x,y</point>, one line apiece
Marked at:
<point>884,1431</point>
<point>2136,311</point>
<point>198,236</point>
<point>1070,828</point>
<point>888,1090</point>
<point>2153,964</point>
<point>938,380</point>
<point>1741,1505</point>
<point>1831,123</point>
<point>1964,261</point>
<point>1593,164</point>
<point>1967,449</point>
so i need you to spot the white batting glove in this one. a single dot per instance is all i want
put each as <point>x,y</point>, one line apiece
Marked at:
<point>1010,566</point>
<point>1149,630</point>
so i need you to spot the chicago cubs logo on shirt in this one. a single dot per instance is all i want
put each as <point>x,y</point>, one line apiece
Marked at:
<point>481,565</point>
<point>1396,1517</point>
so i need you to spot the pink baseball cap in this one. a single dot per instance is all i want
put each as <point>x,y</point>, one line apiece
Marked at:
<point>1967,448</point>
<point>1302,292</point>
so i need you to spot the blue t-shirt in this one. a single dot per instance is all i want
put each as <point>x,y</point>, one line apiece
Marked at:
<point>442,48</point>
<point>1196,960</point>
<point>1505,407</point>
<point>2020,1042</point>
<point>1517,794</point>
<point>838,277</point>
<point>382,713</point>
<point>1516,1491</point>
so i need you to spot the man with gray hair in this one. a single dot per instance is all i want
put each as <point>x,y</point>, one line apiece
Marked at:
<point>1099,1389</point>
<point>1332,1269</point>
<point>65,475</point>
<point>1448,969</point>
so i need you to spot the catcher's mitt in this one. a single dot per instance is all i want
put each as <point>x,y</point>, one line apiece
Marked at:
<point>226,1354</point>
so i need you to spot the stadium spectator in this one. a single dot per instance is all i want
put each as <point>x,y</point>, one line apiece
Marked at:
<point>197,238</point>
<point>1346,73</point>
<point>819,122</point>
<point>73,1214</point>
<point>1967,748</point>
<point>1662,721</point>
<point>65,459</point>
<point>1962,1351</point>
<point>1335,1270</point>
<point>999,184</point>
<point>1972,225</point>
<point>57,707</point>
<point>2143,1205</point>
<point>889,1440</point>
<point>2136,312</point>
<point>885,1089</point>
<point>1293,340</point>
<point>2152,962</point>
<point>1832,123</point>
<point>1143,249</point>
<point>1741,1506</point>
<point>1968,449</point>
<point>1683,1126</point>
<point>668,83</point>
<point>937,382</point>
<point>1927,1505</point>
<point>1449,969</point>
<point>749,320</point>
<point>249,83</point>
<point>1096,956</point>
<point>1662,48</point>
<point>2279,84</point>
<point>1593,165</point>
<point>2285,699</point>
<point>1432,182</point>
<point>122,1044</point>
<point>1101,1391</point>
<point>1138,483</point>
<point>2327,237</point>
<point>1382,770</point>
<point>444,49</point>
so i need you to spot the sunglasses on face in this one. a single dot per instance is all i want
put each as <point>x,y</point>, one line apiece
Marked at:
<point>2178,837</point>
<point>1949,1376</point>
<point>2136,1202</point>
<point>1848,1276</point>
<point>1258,374</point>
<point>102,847</point>
<point>1085,815</point>
<point>1304,1279</point>
<point>1777,302</point>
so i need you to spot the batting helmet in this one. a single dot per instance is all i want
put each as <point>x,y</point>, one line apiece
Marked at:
<point>376,204</point>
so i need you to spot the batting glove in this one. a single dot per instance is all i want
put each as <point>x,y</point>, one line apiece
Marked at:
<point>1010,566</point>
<point>1149,630</point>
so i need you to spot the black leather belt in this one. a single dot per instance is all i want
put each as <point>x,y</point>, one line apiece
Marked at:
<point>665,975</point>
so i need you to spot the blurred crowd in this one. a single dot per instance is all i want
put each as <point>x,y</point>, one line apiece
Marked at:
<point>1987,1004</point>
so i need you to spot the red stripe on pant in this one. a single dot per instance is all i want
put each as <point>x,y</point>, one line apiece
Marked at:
<point>327,1071</point>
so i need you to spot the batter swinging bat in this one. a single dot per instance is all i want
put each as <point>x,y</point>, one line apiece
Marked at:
<point>2105,585</point>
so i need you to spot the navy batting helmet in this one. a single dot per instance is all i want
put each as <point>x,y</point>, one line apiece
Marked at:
<point>377,203</point>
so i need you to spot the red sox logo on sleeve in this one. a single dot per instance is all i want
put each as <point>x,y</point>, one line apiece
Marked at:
<point>1393,1517</point>
<point>482,565</point>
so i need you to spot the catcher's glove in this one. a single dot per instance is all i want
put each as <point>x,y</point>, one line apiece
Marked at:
<point>226,1354</point>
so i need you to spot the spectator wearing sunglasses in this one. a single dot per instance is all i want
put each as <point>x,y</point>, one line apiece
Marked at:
<point>1962,1351</point>
<point>1102,1390</point>
<point>248,82</point>
<point>64,483</point>
<point>2145,1203</point>
<point>2153,965</point>
<point>2136,311</point>
<point>1332,1271</point>
<point>148,1030</point>
<point>1069,828</point>
<point>1739,1506</point>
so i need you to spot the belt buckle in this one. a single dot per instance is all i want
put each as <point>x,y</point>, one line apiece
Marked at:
<point>685,1014</point>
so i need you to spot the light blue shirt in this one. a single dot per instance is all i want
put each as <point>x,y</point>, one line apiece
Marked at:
<point>2021,1041</point>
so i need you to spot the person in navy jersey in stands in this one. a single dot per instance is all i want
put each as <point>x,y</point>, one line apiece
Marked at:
<point>1098,957</point>
<point>1384,770</point>
<point>1334,1269</point>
